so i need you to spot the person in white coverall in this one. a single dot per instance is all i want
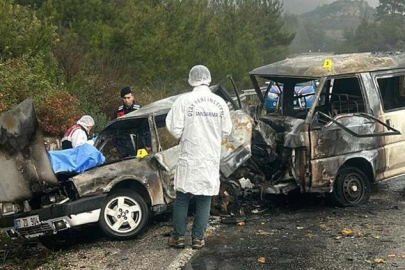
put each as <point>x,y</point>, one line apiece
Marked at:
<point>200,119</point>
<point>78,134</point>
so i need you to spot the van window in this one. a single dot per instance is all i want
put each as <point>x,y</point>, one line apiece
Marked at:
<point>340,96</point>
<point>346,97</point>
<point>392,91</point>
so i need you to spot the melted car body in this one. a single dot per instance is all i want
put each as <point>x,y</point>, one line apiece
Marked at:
<point>120,195</point>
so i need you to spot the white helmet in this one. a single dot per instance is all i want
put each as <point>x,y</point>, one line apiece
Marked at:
<point>199,75</point>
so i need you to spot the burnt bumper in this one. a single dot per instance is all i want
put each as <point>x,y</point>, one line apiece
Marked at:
<point>55,218</point>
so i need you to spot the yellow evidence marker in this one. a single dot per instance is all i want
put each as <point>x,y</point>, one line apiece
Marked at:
<point>141,153</point>
<point>327,64</point>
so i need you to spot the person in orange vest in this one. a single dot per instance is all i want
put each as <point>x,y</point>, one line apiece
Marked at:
<point>78,134</point>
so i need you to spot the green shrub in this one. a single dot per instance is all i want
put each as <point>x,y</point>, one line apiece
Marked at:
<point>25,77</point>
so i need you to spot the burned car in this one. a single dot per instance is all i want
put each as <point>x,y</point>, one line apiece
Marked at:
<point>120,195</point>
<point>351,136</point>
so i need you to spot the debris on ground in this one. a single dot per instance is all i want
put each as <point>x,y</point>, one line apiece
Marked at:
<point>241,223</point>
<point>232,220</point>
<point>262,232</point>
<point>347,232</point>
<point>379,260</point>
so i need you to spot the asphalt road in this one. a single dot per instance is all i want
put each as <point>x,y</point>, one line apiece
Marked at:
<point>292,232</point>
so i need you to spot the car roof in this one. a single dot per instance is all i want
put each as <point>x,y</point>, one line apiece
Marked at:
<point>159,107</point>
<point>312,65</point>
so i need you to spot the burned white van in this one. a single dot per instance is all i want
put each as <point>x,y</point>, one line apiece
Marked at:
<point>351,136</point>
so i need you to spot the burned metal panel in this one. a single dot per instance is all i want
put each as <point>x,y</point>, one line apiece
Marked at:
<point>331,147</point>
<point>280,148</point>
<point>324,170</point>
<point>311,65</point>
<point>236,149</point>
<point>24,164</point>
<point>268,134</point>
<point>300,168</point>
<point>168,160</point>
<point>102,179</point>
<point>290,131</point>
<point>331,140</point>
<point>394,146</point>
<point>372,97</point>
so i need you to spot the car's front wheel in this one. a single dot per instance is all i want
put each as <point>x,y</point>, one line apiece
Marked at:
<point>124,214</point>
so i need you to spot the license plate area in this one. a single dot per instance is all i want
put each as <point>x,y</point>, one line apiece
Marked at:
<point>26,222</point>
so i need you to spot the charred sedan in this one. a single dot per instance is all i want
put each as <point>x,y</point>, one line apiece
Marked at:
<point>120,195</point>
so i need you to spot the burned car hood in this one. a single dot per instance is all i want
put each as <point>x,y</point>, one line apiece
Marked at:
<point>101,179</point>
<point>24,164</point>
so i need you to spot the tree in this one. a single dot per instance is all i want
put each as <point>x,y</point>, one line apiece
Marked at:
<point>390,8</point>
<point>96,47</point>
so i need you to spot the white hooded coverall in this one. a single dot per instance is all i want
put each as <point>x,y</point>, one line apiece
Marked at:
<point>78,136</point>
<point>200,119</point>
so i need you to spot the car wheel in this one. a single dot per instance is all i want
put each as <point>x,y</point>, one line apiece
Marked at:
<point>61,240</point>
<point>351,188</point>
<point>124,215</point>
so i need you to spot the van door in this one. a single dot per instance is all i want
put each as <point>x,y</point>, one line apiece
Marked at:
<point>391,88</point>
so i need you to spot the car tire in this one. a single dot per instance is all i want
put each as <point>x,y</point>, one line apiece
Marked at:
<point>60,241</point>
<point>351,188</point>
<point>124,215</point>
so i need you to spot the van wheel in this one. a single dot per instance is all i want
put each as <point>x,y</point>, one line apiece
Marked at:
<point>351,188</point>
<point>124,215</point>
<point>60,241</point>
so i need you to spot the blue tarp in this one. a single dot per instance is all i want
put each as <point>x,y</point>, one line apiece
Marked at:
<point>76,159</point>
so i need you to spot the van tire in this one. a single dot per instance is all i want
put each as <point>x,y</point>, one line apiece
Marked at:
<point>124,215</point>
<point>351,188</point>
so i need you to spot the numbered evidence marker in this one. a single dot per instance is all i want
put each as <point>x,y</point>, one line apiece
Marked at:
<point>327,64</point>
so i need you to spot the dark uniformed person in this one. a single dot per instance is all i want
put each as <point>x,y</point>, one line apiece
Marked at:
<point>128,103</point>
<point>123,142</point>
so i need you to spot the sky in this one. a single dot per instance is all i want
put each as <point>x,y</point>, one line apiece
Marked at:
<point>302,6</point>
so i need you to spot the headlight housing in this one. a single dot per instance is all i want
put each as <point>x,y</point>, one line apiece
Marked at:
<point>9,209</point>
